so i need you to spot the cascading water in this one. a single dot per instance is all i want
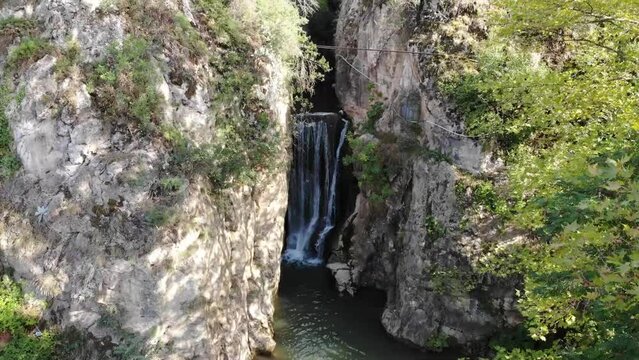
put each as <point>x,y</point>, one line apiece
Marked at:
<point>313,185</point>
<point>312,320</point>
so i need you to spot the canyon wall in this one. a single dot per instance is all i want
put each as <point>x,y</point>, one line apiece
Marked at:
<point>423,241</point>
<point>98,222</point>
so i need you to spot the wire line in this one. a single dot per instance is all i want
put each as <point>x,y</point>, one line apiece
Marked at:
<point>330,47</point>
<point>399,115</point>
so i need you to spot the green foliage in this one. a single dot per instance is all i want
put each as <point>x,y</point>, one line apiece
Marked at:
<point>11,317</point>
<point>124,84</point>
<point>19,318</point>
<point>555,91</point>
<point>9,163</point>
<point>368,156</point>
<point>109,317</point>
<point>188,36</point>
<point>308,69</point>
<point>29,50</point>
<point>225,28</point>
<point>480,194</point>
<point>373,115</point>
<point>586,282</point>
<point>283,30</point>
<point>72,343</point>
<point>452,281</point>
<point>13,26</point>
<point>245,139</point>
<point>525,354</point>
<point>434,229</point>
<point>309,7</point>
<point>437,343</point>
<point>27,347</point>
<point>282,27</point>
<point>170,185</point>
<point>131,348</point>
<point>160,216</point>
<point>69,59</point>
<point>238,82</point>
<point>376,109</point>
<point>372,172</point>
<point>240,153</point>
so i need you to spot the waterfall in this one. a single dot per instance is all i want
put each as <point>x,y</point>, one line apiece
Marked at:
<point>313,185</point>
<point>329,219</point>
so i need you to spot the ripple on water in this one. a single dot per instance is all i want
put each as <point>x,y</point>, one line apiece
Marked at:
<point>312,322</point>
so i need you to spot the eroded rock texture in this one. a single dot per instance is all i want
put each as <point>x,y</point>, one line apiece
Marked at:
<point>420,244</point>
<point>78,221</point>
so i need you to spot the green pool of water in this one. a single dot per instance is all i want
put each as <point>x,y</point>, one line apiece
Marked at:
<point>313,322</point>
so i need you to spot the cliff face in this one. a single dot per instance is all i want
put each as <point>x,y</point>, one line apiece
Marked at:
<point>423,242</point>
<point>98,220</point>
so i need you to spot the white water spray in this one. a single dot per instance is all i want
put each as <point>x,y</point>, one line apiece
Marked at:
<point>313,187</point>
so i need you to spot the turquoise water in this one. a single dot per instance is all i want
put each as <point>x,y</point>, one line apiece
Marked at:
<point>313,322</point>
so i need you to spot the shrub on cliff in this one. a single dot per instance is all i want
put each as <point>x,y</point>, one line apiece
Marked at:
<point>9,163</point>
<point>555,91</point>
<point>27,51</point>
<point>224,49</point>
<point>18,326</point>
<point>124,84</point>
<point>370,165</point>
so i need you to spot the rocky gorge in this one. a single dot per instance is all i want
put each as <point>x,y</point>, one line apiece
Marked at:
<point>152,217</point>
<point>417,235</point>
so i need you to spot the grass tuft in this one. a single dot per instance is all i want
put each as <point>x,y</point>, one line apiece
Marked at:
<point>124,84</point>
<point>9,163</point>
<point>28,51</point>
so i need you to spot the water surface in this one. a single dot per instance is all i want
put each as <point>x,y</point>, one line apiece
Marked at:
<point>312,322</point>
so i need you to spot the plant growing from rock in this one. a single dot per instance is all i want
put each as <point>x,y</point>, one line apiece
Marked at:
<point>28,50</point>
<point>171,185</point>
<point>376,109</point>
<point>68,60</point>
<point>12,27</point>
<point>480,194</point>
<point>124,84</point>
<point>437,343</point>
<point>452,281</point>
<point>372,172</point>
<point>9,163</point>
<point>434,229</point>
<point>160,216</point>
<point>19,318</point>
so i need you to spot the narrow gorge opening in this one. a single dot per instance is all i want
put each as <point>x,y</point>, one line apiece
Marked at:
<point>318,147</point>
<point>321,190</point>
<point>313,320</point>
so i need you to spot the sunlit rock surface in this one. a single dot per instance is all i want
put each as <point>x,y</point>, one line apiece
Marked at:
<point>73,221</point>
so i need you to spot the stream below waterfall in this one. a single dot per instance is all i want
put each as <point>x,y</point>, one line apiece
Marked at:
<point>313,322</point>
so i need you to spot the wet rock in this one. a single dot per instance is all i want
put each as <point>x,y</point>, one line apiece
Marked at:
<point>343,277</point>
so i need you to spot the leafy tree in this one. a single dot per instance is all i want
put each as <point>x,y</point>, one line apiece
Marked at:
<point>556,92</point>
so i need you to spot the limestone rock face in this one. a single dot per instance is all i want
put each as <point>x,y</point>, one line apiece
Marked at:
<point>343,277</point>
<point>420,244</point>
<point>75,220</point>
